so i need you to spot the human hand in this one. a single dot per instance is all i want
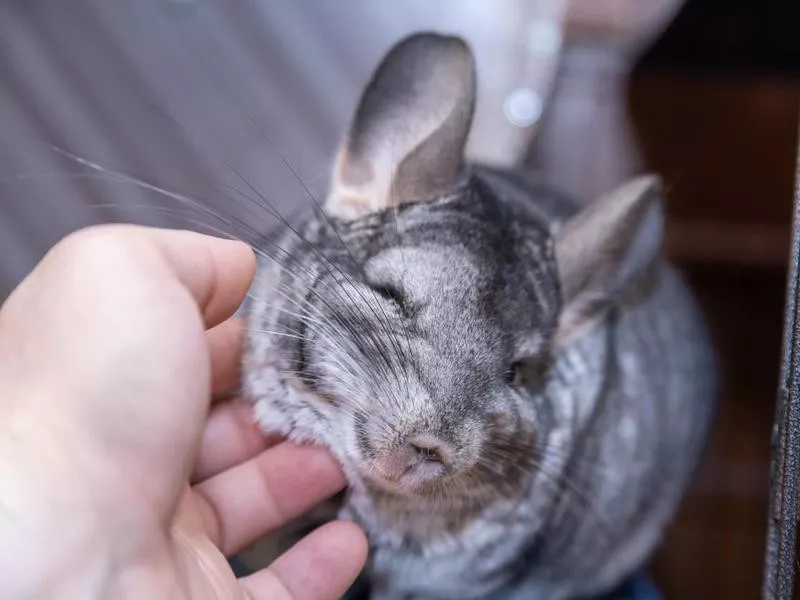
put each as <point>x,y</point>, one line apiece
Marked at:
<point>116,478</point>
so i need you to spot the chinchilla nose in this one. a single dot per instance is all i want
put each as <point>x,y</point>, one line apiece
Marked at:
<point>423,456</point>
<point>430,449</point>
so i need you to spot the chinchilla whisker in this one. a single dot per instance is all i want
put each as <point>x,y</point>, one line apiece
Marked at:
<point>295,275</point>
<point>392,335</point>
<point>192,200</point>
<point>295,271</point>
<point>122,179</point>
<point>364,337</point>
<point>298,364</point>
<point>277,333</point>
<point>575,493</point>
<point>594,464</point>
<point>295,333</point>
<point>341,321</point>
<point>563,456</point>
<point>396,203</point>
<point>310,290</point>
<point>383,318</point>
<point>303,305</point>
<point>284,160</point>
<point>95,166</point>
<point>351,303</point>
<point>266,206</point>
<point>275,213</point>
<point>221,186</point>
<point>325,325</point>
<point>311,196</point>
<point>34,176</point>
<point>387,327</point>
<point>294,370</point>
<point>371,419</point>
<point>183,197</point>
<point>386,324</point>
<point>332,336</point>
<point>189,220</point>
<point>118,178</point>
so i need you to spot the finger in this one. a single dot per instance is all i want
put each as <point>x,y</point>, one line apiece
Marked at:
<point>127,332</point>
<point>217,272</point>
<point>225,343</point>
<point>230,437</point>
<point>321,566</point>
<point>245,503</point>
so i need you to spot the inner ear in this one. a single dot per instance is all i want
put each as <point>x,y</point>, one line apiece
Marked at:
<point>605,249</point>
<point>406,141</point>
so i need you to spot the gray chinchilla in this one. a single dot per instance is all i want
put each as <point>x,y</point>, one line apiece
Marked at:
<point>518,388</point>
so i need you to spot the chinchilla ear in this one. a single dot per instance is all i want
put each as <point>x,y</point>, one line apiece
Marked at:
<point>406,141</point>
<point>605,249</point>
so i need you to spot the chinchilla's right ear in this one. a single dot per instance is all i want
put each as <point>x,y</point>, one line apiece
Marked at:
<point>605,249</point>
<point>406,142</point>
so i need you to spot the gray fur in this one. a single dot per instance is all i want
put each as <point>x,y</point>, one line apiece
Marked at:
<point>494,448</point>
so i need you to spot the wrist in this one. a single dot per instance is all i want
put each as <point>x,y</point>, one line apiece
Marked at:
<point>32,566</point>
<point>52,539</point>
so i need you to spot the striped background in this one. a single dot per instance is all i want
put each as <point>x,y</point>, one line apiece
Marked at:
<point>183,92</point>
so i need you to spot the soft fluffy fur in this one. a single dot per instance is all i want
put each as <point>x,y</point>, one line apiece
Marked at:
<point>517,390</point>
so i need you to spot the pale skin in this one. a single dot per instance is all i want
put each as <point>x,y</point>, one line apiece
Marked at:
<point>118,477</point>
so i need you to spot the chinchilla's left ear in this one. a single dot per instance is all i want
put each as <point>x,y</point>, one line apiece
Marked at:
<point>605,249</point>
<point>406,142</point>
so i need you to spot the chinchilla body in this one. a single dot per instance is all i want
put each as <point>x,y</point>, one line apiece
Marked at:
<point>517,387</point>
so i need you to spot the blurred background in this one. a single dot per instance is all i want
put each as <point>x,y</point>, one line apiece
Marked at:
<point>193,110</point>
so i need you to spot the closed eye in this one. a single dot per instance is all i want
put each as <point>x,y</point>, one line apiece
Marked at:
<point>392,294</point>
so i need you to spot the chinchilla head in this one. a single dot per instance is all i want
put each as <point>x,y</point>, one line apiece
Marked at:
<point>410,324</point>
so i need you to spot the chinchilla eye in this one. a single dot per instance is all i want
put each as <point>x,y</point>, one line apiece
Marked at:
<point>394,295</point>
<point>390,293</point>
<point>513,375</point>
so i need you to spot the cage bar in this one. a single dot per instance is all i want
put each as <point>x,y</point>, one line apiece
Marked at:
<point>780,559</point>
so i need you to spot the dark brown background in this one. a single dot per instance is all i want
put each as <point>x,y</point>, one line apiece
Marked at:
<point>149,87</point>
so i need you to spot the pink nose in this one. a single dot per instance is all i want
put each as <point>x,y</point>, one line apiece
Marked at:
<point>431,450</point>
<point>422,455</point>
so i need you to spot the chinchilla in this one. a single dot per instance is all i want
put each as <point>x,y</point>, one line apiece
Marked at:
<point>518,387</point>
